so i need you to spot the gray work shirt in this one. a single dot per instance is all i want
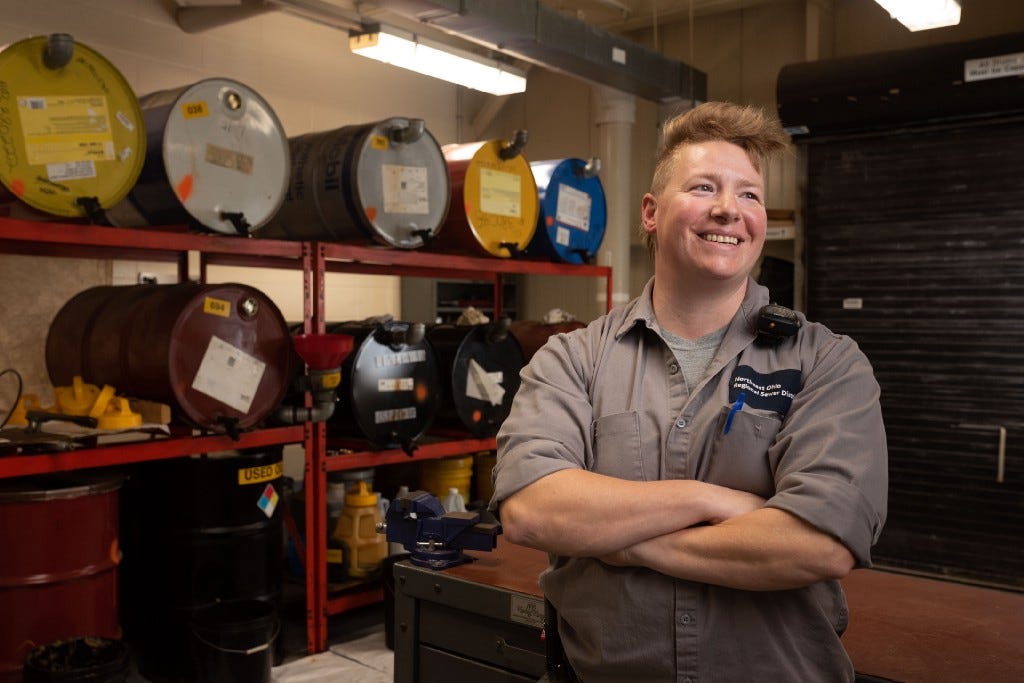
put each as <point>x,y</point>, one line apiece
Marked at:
<point>808,437</point>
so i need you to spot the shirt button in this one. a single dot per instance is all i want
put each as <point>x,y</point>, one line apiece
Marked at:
<point>673,368</point>
<point>681,423</point>
<point>685,619</point>
<point>687,680</point>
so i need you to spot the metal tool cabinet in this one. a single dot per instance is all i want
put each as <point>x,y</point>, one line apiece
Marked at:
<point>314,259</point>
<point>477,621</point>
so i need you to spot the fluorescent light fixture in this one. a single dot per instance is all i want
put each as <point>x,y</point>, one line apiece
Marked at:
<point>409,51</point>
<point>920,15</point>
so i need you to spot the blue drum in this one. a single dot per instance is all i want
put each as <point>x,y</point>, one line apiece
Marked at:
<point>573,213</point>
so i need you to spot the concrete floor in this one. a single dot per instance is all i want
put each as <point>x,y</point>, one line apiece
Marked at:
<point>357,651</point>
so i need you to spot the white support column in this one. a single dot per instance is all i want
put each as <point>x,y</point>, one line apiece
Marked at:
<point>614,116</point>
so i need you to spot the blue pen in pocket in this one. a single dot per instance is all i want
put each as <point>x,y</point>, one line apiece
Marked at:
<point>736,407</point>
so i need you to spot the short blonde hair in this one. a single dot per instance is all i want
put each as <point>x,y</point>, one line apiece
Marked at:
<point>750,128</point>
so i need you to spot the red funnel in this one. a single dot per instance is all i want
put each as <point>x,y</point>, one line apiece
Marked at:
<point>323,351</point>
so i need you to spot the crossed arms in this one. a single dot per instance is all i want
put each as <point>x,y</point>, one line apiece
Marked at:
<point>684,528</point>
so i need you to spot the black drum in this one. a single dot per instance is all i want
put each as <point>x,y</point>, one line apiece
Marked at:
<point>480,366</point>
<point>199,531</point>
<point>389,384</point>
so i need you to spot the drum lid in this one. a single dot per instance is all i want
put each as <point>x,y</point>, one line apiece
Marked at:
<point>401,184</point>
<point>500,199</point>
<point>69,133</point>
<point>225,153</point>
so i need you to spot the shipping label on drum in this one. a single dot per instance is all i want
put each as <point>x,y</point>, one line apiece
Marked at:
<point>75,170</point>
<point>501,193</point>
<point>483,385</point>
<point>405,189</point>
<point>394,415</point>
<point>226,158</point>
<point>562,236</point>
<point>573,207</point>
<point>401,358</point>
<point>229,375</point>
<point>396,384</point>
<point>66,129</point>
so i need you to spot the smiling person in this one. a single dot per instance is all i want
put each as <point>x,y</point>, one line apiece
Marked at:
<point>700,487</point>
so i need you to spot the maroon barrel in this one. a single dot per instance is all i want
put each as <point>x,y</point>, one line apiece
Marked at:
<point>59,558</point>
<point>533,334</point>
<point>220,355</point>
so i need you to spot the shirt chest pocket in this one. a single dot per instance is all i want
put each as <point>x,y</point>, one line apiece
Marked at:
<point>617,451</point>
<point>739,459</point>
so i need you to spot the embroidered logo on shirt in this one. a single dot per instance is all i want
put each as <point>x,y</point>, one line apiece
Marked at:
<point>772,391</point>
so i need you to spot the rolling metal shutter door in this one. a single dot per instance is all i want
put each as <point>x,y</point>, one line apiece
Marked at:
<point>925,227</point>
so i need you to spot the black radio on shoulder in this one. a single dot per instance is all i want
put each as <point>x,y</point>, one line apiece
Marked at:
<point>776,323</point>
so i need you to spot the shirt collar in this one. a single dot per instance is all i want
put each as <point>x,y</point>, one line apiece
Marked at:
<point>641,310</point>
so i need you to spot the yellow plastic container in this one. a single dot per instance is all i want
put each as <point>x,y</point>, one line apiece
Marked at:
<point>437,476</point>
<point>357,530</point>
<point>71,127</point>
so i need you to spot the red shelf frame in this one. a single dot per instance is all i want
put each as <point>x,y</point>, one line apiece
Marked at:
<point>130,452</point>
<point>315,259</point>
<point>393,456</point>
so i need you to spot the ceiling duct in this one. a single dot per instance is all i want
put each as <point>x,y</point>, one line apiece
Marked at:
<point>539,35</point>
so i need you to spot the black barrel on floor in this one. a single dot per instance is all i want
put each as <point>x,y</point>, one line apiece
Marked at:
<point>233,642</point>
<point>199,531</point>
<point>390,384</point>
<point>480,367</point>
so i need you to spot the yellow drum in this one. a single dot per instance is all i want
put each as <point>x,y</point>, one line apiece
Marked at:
<point>494,205</point>
<point>72,138</point>
<point>437,476</point>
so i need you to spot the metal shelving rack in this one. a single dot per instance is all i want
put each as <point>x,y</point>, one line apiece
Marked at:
<point>315,259</point>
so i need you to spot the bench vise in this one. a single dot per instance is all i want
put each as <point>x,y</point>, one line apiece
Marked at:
<point>436,538</point>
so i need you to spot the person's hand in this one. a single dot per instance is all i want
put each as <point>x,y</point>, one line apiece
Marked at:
<point>620,558</point>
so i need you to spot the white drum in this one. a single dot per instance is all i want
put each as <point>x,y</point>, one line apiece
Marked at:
<point>217,157</point>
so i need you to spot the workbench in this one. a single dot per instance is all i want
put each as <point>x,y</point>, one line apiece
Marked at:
<point>482,621</point>
<point>917,629</point>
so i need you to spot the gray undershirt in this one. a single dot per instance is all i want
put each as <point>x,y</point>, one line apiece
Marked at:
<point>695,355</point>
